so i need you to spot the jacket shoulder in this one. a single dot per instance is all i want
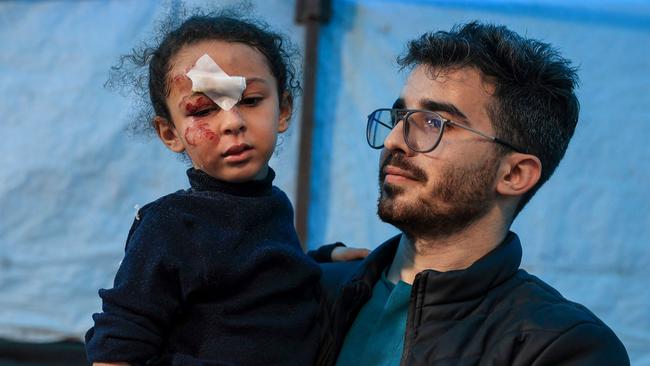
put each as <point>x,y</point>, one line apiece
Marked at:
<point>545,307</point>
<point>552,330</point>
<point>584,344</point>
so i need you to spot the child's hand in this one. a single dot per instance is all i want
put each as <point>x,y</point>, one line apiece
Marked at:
<point>344,254</point>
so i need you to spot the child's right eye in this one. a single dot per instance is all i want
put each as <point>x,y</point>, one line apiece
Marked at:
<point>204,112</point>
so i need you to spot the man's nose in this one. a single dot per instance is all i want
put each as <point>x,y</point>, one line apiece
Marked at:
<point>232,122</point>
<point>395,140</point>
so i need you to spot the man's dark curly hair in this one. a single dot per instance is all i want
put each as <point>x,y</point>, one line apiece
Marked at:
<point>145,70</point>
<point>534,106</point>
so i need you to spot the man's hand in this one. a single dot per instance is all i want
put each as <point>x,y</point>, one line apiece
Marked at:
<point>344,254</point>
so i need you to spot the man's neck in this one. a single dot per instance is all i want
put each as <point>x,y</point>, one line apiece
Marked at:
<point>454,252</point>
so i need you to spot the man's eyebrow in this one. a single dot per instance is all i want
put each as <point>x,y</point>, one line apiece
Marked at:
<point>434,106</point>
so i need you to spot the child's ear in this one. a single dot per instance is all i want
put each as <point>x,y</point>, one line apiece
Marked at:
<point>518,174</point>
<point>168,134</point>
<point>286,109</point>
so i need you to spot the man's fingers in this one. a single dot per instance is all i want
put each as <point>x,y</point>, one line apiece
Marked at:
<point>344,254</point>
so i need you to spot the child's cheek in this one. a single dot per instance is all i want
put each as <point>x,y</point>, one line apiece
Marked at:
<point>199,133</point>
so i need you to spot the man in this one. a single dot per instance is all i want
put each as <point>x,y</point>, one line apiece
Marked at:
<point>482,122</point>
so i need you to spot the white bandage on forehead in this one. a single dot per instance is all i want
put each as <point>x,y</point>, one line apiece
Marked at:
<point>208,78</point>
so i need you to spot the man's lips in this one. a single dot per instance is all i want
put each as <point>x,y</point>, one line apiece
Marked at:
<point>395,173</point>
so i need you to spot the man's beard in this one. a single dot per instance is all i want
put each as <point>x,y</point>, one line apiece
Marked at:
<point>461,196</point>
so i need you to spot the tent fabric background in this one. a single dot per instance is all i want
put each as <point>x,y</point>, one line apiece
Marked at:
<point>70,176</point>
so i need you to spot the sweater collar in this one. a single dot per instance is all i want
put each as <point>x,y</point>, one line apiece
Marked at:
<point>201,181</point>
<point>452,286</point>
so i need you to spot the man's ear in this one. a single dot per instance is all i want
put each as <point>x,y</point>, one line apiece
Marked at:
<point>518,174</point>
<point>286,109</point>
<point>168,134</point>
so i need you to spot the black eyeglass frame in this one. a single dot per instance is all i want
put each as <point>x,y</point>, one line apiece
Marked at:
<point>406,113</point>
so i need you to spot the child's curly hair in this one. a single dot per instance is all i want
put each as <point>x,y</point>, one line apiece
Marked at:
<point>143,72</point>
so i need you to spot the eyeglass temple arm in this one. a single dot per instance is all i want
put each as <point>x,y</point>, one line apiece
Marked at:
<point>516,149</point>
<point>493,138</point>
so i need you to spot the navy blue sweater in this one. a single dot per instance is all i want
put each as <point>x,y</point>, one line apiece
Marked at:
<point>212,273</point>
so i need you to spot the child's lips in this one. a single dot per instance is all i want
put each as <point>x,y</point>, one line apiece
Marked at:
<point>237,153</point>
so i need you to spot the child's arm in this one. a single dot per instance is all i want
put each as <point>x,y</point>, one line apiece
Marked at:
<point>146,293</point>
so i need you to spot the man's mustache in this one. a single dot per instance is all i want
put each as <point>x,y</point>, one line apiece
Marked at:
<point>399,161</point>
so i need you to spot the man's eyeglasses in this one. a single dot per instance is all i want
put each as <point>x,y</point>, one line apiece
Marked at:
<point>422,129</point>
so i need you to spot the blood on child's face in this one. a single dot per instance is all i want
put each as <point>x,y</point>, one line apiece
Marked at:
<point>233,145</point>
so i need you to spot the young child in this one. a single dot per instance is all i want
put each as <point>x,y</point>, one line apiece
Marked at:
<point>215,274</point>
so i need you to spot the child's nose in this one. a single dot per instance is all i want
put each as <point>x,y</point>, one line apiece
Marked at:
<point>232,123</point>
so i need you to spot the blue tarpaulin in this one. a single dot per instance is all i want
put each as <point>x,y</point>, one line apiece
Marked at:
<point>70,174</point>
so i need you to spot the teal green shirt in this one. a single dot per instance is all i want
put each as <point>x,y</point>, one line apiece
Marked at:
<point>376,337</point>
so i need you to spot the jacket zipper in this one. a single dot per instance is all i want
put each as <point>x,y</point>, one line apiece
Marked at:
<point>411,323</point>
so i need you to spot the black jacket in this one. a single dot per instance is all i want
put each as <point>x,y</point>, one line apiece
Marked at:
<point>492,313</point>
<point>212,273</point>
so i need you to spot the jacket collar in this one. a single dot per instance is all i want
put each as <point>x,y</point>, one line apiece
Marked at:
<point>452,286</point>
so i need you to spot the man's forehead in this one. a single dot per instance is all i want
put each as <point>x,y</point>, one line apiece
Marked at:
<point>445,84</point>
<point>460,94</point>
<point>453,75</point>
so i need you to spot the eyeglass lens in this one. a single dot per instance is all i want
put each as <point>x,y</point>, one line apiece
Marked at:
<point>380,123</point>
<point>422,130</point>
